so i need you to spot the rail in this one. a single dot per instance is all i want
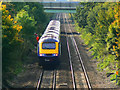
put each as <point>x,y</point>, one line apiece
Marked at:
<point>71,66</point>
<point>80,59</point>
<point>40,80</point>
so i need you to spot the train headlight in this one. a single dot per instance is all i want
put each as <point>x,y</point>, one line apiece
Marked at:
<point>56,54</point>
<point>40,54</point>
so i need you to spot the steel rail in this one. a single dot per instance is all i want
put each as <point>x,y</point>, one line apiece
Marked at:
<point>56,16</point>
<point>54,80</point>
<point>71,66</point>
<point>81,61</point>
<point>59,17</point>
<point>40,80</point>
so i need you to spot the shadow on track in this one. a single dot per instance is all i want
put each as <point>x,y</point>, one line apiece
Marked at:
<point>50,65</point>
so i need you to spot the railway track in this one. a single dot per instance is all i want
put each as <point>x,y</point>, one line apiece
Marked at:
<point>52,78</point>
<point>47,79</point>
<point>79,57</point>
<point>71,66</point>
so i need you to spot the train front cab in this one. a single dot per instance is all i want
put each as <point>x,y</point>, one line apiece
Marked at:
<point>49,50</point>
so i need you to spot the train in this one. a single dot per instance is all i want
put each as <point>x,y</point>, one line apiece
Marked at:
<point>49,47</point>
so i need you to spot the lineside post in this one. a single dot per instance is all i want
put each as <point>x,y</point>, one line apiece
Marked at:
<point>116,76</point>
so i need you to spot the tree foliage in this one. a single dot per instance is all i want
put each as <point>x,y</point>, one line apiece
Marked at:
<point>101,23</point>
<point>10,41</point>
<point>19,23</point>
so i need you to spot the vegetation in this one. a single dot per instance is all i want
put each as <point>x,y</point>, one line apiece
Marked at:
<point>101,23</point>
<point>19,23</point>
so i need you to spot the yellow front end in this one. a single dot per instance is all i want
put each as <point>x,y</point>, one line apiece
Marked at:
<point>48,51</point>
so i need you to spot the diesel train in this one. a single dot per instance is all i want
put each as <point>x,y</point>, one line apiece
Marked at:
<point>49,47</point>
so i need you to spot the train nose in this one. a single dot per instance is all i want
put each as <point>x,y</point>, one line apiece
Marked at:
<point>48,55</point>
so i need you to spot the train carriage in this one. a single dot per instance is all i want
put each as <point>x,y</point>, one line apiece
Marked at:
<point>49,44</point>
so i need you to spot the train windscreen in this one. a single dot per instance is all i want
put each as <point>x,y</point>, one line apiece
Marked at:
<point>48,46</point>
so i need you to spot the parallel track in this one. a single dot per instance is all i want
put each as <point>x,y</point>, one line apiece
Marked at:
<point>79,55</point>
<point>71,66</point>
<point>80,59</point>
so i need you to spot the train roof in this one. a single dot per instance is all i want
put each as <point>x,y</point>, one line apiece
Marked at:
<point>52,31</point>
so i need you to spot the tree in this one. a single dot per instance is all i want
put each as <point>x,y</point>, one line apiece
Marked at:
<point>27,22</point>
<point>100,22</point>
<point>10,42</point>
